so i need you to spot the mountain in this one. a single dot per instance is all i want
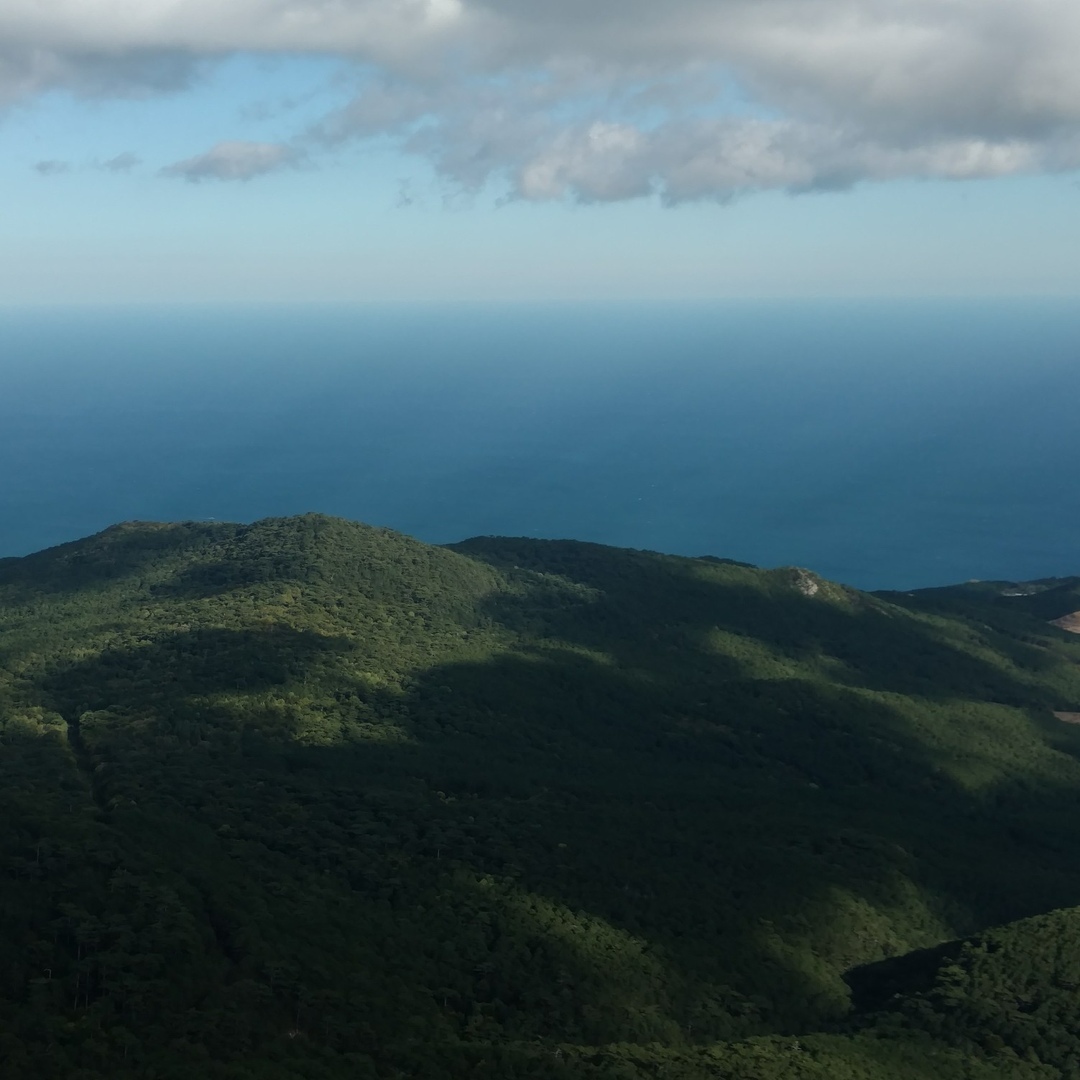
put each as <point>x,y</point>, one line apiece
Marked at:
<point>307,798</point>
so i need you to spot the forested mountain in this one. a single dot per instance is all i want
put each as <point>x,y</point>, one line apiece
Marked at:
<point>309,799</point>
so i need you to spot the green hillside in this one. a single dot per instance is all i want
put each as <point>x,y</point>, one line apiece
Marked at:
<point>311,799</point>
<point>1012,991</point>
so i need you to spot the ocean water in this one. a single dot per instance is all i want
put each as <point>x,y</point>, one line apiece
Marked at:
<point>887,445</point>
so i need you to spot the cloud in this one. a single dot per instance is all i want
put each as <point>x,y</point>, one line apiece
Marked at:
<point>723,159</point>
<point>27,69</point>
<point>52,168</point>
<point>233,161</point>
<point>121,163</point>
<point>612,99</point>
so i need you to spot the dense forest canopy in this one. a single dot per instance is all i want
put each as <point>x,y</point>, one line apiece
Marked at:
<point>311,799</point>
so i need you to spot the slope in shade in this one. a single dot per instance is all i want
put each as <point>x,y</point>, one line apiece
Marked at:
<point>309,798</point>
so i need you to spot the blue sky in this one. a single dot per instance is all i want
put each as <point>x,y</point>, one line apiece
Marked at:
<point>468,150</point>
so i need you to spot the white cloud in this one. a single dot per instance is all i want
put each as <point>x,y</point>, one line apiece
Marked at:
<point>604,161</point>
<point>608,99</point>
<point>233,161</point>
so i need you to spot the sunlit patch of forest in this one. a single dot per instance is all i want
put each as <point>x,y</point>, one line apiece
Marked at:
<point>310,799</point>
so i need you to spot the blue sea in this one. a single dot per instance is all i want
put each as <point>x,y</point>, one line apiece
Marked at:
<point>886,445</point>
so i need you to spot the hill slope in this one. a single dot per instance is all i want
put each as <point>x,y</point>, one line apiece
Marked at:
<point>308,798</point>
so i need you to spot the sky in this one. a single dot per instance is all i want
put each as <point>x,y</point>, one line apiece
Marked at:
<point>413,150</point>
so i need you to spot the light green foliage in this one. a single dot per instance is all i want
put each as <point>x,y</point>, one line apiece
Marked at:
<point>311,799</point>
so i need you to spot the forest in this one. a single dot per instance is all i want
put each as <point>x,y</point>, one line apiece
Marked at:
<point>307,799</point>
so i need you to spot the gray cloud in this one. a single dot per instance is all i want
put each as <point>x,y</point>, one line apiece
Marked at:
<point>121,163</point>
<point>233,161</point>
<point>613,99</point>
<point>52,168</point>
<point>116,73</point>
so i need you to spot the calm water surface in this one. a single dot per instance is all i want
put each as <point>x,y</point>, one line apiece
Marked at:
<point>885,445</point>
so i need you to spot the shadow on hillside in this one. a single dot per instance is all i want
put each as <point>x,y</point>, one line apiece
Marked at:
<point>655,816</point>
<point>170,669</point>
<point>1001,601</point>
<point>659,611</point>
<point>735,840</point>
<point>119,552</point>
<point>201,581</point>
<point>875,986</point>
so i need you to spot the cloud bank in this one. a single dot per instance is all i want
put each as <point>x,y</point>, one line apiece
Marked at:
<point>613,99</point>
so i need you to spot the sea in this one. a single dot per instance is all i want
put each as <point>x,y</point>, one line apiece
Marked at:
<point>885,444</point>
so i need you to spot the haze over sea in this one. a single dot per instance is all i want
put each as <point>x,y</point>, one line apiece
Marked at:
<point>887,445</point>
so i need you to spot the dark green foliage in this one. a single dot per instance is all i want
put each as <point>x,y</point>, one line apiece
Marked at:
<point>311,799</point>
<point>1013,991</point>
